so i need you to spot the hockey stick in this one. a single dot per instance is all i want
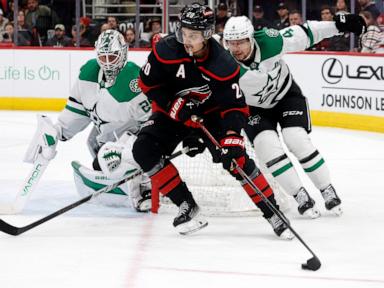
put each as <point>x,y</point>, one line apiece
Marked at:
<point>312,263</point>
<point>13,230</point>
<point>29,185</point>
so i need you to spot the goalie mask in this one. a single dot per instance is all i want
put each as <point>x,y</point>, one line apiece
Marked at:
<point>112,52</point>
<point>199,21</point>
<point>238,36</point>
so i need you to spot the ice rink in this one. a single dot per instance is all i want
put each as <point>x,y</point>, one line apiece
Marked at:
<point>93,246</point>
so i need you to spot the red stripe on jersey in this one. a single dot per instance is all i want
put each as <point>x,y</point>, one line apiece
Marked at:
<point>166,179</point>
<point>263,186</point>
<point>244,110</point>
<point>175,61</point>
<point>146,88</point>
<point>214,76</point>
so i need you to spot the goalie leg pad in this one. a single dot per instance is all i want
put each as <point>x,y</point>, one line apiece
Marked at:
<point>88,181</point>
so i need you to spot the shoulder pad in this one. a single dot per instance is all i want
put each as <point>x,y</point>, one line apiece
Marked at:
<point>221,65</point>
<point>169,51</point>
<point>90,71</point>
<point>270,42</point>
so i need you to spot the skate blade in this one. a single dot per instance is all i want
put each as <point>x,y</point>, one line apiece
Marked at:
<point>336,210</point>
<point>191,226</point>
<point>286,235</point>
<point>312,213</point>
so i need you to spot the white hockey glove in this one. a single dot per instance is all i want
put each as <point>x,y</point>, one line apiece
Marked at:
<point>44,141</point>
<point>116,159</point>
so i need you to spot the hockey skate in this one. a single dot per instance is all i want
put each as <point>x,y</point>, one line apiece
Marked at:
<point>332,201</point>
<point>306,204</point>
<point>188,220</point>
<point>280,228</point>
<point>144,204</point>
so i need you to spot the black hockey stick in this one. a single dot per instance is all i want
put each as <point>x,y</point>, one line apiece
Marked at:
<point>13,230</point>
<point>312,263</point>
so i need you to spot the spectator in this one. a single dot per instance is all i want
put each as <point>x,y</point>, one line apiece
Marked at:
<point>326,15</point>
<point>3,21</point>
<point>370,6</point>
<point>371,41</point>
<point>84,42</point>
<point>40,18</point>
<point>283,20</point>
<point>154,27</point>
<point>130,39</point>
<point>23,27</point>
<point>9,12</point>
<point>221,17</point>
<point>59,39</point>
<point>8,36</point>
<point>104,27</point>
<point>113,23</point>
<point>258,20</point>
<point>295,18</point>
<point>85,21</point>
<point>341,7</point>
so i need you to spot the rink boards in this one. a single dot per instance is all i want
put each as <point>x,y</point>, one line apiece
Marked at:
<point>343,89</point>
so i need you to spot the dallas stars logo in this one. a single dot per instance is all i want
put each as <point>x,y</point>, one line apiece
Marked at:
<point>97,121</point>
<point>270,87</point>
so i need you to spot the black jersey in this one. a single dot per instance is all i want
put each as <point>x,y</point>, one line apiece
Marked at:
<point>213,80</point>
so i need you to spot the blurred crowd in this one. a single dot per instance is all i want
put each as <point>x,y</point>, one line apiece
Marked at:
<point>40,23</point>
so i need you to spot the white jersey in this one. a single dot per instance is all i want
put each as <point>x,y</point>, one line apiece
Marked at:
<point>112,110</point>
<point>267,79</point>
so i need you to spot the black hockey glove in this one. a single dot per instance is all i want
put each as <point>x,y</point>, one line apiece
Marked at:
<point>233,145</point>
<point>350,23</point>
<point>195,143</point>
<point>182,109</point>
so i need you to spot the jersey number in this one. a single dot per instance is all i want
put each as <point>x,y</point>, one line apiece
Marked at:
<point>145,106</point>
<point>236,87</point>
<point>147,69</point>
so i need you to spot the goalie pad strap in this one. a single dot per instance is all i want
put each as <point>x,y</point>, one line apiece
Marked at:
<point>263,186</point>
<point>166,179</point>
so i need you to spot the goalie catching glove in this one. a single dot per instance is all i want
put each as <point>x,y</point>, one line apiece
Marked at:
<point>44,141</point>
<point>233,148</point>
<point>116,159</point>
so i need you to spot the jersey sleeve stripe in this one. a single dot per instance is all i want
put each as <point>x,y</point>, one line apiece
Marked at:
<point>244,110</point>
<point>77,111</point>
<point>174,61</point>
<point>75,100</point>
<point>214,76</point>
<point>308,31</point>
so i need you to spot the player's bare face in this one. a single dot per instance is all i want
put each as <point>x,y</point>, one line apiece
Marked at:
<point>193,41</point>
<point>240,49</point>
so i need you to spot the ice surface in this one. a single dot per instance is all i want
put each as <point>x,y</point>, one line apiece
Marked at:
<point>94,246</point>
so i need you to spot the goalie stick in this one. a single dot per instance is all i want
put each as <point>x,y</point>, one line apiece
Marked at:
<point>13,230</point>
<point>29,185</point>
<point>313,263</point>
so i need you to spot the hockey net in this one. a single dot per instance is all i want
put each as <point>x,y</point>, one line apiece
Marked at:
<point>214,189</point>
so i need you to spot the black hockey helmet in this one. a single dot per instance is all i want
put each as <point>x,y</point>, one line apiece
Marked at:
<point>198,17</point>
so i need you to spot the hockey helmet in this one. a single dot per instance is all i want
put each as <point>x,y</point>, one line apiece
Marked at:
<point>196,17</point>
<point>112,53</point>
<point>238,28</point>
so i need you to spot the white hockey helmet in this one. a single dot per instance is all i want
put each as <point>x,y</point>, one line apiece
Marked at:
<point>238,28</point>
<point>112,53</point>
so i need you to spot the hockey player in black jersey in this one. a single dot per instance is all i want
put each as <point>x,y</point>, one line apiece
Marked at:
<point>189,73</point>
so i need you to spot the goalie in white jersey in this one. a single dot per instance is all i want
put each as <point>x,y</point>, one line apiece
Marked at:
<point>274,98</point>
<point>106,94</point>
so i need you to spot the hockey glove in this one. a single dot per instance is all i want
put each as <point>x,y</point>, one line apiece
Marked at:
<point>195,143</point>
<point>44,141</point>
<point>350,23</point>
<point>233,146</point>
<point>182,109</point>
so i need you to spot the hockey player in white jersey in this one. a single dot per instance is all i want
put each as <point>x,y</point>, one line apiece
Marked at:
<point>106,94</point>
<point>274,98</point>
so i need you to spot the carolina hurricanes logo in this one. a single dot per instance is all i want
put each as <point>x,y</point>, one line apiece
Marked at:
<point>200,94</point>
